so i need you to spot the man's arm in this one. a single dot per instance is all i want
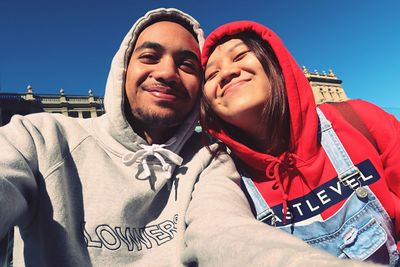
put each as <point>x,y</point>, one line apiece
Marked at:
<point>222,230</point>
<point>18,166</point>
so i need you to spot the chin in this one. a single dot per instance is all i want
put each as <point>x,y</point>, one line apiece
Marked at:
<point>161,119</point>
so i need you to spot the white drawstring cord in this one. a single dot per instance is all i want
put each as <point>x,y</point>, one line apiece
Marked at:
<point>157,151</point>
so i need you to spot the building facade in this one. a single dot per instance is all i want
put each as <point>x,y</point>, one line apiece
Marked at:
<point>78,106</point>
<point>326,86</point>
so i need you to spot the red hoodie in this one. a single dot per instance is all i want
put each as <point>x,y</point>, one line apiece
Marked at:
<point>310,186</point>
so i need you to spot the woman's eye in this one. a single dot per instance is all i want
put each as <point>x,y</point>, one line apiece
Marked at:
<point>240,55</point>
<point>211,76</point>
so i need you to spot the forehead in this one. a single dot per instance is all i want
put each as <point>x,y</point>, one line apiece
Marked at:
<point>224,49</point>
<point>170,35</point>
<point>228,46</point>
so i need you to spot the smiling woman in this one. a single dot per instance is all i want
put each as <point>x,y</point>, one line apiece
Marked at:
<point>237,85</point>
<point>244,87</point>
<point>305,169</point>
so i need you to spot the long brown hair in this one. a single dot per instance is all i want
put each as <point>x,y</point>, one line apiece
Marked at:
<point>275,115</point>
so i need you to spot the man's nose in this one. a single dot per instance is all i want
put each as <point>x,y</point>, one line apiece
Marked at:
<point>166,70</point>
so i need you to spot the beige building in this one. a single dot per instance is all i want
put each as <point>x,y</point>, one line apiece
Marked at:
<point>78,106</point>
<point>326,86</point>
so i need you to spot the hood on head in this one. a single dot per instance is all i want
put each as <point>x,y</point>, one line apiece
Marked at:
<point>303,117</point>
<point>114,95</point>
<point>164,14</point>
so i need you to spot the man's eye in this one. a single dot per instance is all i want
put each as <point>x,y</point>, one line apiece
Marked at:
<point>189,66</point>
<point>148,58</point>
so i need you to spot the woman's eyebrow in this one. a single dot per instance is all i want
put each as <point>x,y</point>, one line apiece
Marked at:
<point>209,64</point>
<point>236,45</point>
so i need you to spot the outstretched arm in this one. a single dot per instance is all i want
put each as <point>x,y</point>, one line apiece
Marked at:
<point>222,230</point>
<point>17,175</point>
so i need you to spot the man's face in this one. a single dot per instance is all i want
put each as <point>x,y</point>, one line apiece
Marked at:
<point>164,75</point>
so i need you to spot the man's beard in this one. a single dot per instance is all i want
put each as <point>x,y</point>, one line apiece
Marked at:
<point>154,119</point>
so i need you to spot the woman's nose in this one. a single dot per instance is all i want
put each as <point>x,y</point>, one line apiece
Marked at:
<point>228,73</point>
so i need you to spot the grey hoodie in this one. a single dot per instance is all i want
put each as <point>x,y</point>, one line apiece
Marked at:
<point>91,192</point>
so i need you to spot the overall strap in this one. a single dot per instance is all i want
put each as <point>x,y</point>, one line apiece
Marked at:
<point>348,173</point>
<point>263,212</point>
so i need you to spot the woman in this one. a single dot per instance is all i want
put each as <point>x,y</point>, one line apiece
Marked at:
<point>306,170</point>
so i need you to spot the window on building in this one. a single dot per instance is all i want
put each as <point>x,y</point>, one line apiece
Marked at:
<point>86,114</point>
<point>73,114</point>
<point>321,90</point>
<point>330,92</point>
<point>6,116</point>
<point>339,93</point>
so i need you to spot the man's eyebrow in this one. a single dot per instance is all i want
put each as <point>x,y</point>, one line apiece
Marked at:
<point>209,64</point>
<point>150,45</point>
<point>160,48</point>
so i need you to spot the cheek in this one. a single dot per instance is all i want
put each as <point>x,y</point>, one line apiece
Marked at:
<point>136,74</point>
<point>134,77</point>
<point>130,99</point>
<point>191,83</point>
<point>209,92</point>
<point>196,88</point>
<point>129,85</point>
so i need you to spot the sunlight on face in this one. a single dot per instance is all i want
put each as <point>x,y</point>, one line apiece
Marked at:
<point>236,84</point>
<point>163,76</point>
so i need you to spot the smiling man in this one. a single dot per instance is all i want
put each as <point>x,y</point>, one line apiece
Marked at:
<point>163,80</point>
<point>113,190</point>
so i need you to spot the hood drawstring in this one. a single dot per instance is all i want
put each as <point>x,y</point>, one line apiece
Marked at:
<point>158,151</point>
<point>277,169</point>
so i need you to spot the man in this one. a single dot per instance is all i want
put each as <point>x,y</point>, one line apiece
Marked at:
<point>111,191</point>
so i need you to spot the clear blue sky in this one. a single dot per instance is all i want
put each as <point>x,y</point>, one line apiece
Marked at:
<point>53,44</point>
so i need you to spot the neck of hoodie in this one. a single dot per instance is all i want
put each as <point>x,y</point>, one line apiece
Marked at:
<point>257,138</point>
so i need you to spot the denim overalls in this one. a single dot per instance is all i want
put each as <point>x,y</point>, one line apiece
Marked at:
<point>360,230</point>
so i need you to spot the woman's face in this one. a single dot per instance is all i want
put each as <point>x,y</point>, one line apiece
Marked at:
<point>236,85</point>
